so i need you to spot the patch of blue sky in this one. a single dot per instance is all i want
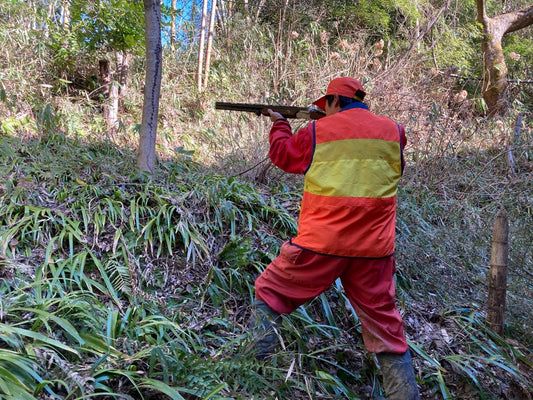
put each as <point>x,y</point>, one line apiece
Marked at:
<point>188,16</point>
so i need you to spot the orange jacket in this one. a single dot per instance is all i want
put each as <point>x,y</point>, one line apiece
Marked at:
<point>349,200</point>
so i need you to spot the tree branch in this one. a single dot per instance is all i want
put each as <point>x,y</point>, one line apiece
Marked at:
<point>515,20</point>
<point>481,13</point>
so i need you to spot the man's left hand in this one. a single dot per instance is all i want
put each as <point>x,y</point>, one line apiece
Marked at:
<point>274,116</point>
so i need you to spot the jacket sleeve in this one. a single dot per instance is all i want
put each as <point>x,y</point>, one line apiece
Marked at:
<point>403,143</point>
<point>291,153</point>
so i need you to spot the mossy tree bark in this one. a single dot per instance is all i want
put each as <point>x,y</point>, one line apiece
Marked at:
<point>146,156</point>
<point>494,66</point>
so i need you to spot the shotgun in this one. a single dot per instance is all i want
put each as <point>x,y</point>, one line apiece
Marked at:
<point>286,111</point>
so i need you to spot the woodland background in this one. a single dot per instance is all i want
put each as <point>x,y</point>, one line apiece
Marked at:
<point>116,284</point>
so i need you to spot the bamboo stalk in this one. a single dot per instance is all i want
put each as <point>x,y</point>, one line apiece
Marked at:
<point>498,274</point>
<point>210,35</point>
<point>201,46</point>
<point>512,143</point>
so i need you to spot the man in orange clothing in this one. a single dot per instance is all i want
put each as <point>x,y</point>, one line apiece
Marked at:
<point>352,160</point>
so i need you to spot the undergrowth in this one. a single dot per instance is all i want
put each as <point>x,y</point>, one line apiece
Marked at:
<point>115,286</point>
<point>120,287</point>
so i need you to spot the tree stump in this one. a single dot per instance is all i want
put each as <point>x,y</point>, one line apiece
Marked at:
<point>498,274</point>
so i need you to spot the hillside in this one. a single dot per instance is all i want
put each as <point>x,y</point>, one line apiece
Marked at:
<point>119,286</point>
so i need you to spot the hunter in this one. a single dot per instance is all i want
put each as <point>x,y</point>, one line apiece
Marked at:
<point>352,160</point>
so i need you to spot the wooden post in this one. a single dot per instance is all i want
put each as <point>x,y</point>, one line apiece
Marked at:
<point>498,274</point>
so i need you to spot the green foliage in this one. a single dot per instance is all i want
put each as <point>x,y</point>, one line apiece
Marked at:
<point>385,19</point>
<point>66,50</point>
<point>518,53</point>
<point>108,25</point>
<point>10,126</point>
<point>451,49</point>
<point>372,16</point>
<point>92,248</point>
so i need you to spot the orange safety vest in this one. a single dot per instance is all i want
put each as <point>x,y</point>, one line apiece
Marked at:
<point>349,200</point>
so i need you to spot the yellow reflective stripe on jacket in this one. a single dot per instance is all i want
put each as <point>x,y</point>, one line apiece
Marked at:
<point>349,200</point>
<point>355,168</point>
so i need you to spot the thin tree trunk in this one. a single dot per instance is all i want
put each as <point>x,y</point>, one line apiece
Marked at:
<point>112,117</point>
<point>498,274</point>
<point>231,9</point>
<point>123,70</point>
<point>51,10</point>
<point>146,156</point>
<point>201,46</point>
<point>210,41</point>
<point>65,13</point>
<point>247,12</point>
<point>222,17</point>
<point>417,26</point>
<point>110,93</point>
<point>259,10</point>
<point>174,8</point>
<point>105,83</point>
<point>32,22</point>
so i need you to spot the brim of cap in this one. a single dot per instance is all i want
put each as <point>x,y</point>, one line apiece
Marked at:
<point>321,103</point>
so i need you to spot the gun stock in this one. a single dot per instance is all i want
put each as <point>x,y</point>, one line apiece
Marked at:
<point>286,111</point>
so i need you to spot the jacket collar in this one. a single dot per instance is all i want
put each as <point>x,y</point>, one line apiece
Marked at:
<point>356,104</point>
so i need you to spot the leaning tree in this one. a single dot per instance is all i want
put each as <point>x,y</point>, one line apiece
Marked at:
<point>494,66</point>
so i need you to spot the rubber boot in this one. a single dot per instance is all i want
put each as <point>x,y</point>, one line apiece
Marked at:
<point>263,326</point>
<point>398,376</point>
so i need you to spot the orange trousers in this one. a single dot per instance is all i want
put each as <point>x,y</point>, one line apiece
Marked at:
<point>298,275</point>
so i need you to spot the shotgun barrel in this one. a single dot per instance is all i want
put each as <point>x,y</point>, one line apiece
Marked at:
<point>286,111</point>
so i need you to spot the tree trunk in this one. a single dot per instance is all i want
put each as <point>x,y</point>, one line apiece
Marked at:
<point>231,9</point>
<point>112,116</point>
<point>105,83</point>
<point>498,274</point>
<point>210,42</point>
<point>123,70</point>
<point>146,156</point>
<point>51,10</point>
<point>201,47</point>
<point>494,67</point>
<point>259,10</point>
<point>109,94</point>
<point>65,13</point>
<point>173,25</point>
<point>221,17</point>
<point>247,12</point>
<point>105,77</point>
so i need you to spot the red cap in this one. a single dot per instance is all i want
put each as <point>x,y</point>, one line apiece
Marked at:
<point>344,86</point>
